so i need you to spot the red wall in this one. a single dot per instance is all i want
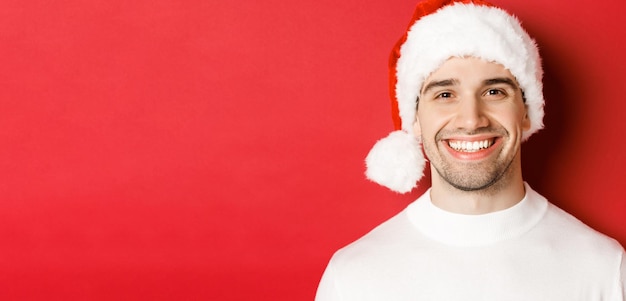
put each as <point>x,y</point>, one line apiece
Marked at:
<point>213,150</point>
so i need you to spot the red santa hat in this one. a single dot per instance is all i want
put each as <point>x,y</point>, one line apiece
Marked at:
<point>439,30</point>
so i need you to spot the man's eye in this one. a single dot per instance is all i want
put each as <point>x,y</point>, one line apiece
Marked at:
<point>495,92</point>
<point>444,95</point>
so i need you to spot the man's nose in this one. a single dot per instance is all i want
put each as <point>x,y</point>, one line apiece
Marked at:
<point>470,113</point>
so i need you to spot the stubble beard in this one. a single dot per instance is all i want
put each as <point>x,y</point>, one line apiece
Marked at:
<point>486,177</point>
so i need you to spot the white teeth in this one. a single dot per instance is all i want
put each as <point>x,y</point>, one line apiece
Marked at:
<point>465,146</point>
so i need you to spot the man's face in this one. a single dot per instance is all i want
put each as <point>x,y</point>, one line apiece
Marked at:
<point>470,117</point>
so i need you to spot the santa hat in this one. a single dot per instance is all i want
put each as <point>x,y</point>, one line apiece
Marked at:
<point>439,30</point>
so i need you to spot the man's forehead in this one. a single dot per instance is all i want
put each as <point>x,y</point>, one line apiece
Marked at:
<point>462,70</point>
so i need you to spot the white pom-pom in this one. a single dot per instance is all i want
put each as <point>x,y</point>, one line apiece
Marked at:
<point>396,162</point>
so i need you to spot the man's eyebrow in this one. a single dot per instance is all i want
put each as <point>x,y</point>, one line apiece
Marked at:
<point>440,83</point>
<point>501,80</point>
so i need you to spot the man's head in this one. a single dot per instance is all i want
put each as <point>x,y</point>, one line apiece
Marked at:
<point>471,119</point>
<point>440,31</point>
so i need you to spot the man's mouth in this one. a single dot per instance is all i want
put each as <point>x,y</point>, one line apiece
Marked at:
<point>470,146</point>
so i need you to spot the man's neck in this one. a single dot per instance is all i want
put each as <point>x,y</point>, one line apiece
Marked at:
<point>501,195</point>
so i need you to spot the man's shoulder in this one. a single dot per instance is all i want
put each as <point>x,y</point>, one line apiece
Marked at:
<point>393,235</point>
<point>568,229</point>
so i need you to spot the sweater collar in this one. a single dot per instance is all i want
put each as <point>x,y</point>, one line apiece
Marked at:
<point>477,230</point>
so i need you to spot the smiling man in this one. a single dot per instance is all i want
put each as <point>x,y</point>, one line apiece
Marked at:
<point>466,85</point>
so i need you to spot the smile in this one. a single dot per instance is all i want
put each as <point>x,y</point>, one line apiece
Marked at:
<point>470,146</point>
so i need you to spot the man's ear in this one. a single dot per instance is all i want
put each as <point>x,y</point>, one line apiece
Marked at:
<point>526,120</point>
<point>417,129</point>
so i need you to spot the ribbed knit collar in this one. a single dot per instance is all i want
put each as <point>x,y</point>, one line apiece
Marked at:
<point>477,230</point>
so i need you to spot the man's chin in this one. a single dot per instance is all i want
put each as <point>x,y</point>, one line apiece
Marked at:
<point>472,187</point>
<point>471,182</point>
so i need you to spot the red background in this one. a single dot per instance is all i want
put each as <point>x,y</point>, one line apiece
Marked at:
<point>213,150</point>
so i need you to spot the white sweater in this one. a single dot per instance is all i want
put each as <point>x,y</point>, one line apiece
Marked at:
<point>531,251</point>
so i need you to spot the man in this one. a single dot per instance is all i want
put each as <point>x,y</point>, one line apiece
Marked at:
<point>467,83</point>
